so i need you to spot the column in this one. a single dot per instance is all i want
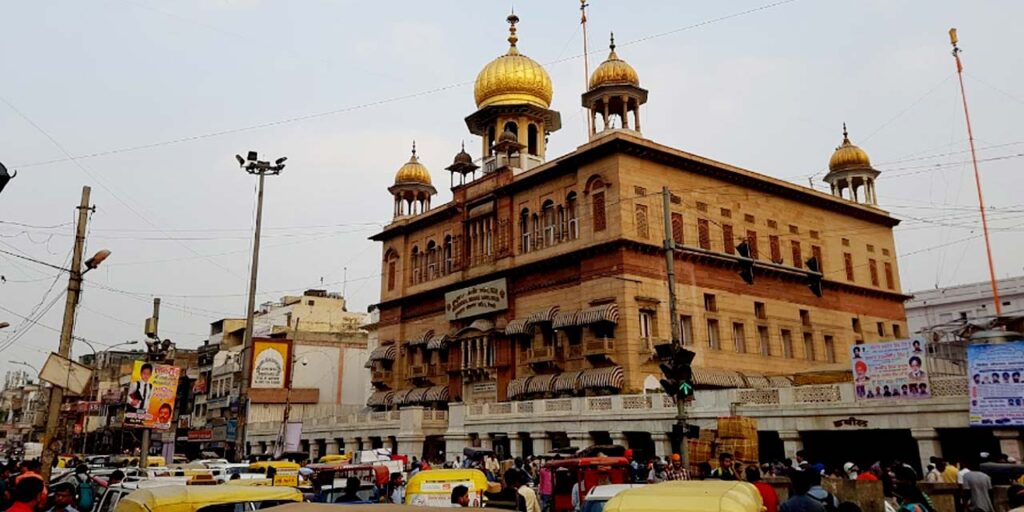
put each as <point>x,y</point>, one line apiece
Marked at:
<point>662,444</point>
<point>636,117</point>
<point>541,442</point>
<point>927,444</point>
<point>1010,442</point>
<point>604,125</point>
<point>579,439</point>
<point>454,444</point>
<point>625,112</point>
<point>331,447</point>
<point>314,449</point>
<point>486,442</point>
<point>791,442</point>
<point>411,445</point>
<point>619,438</point>
<point>515,444</point>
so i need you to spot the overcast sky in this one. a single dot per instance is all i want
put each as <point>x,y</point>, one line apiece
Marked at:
<point>155,98</point>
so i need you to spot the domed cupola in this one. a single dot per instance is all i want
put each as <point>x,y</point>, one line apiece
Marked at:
<point>850,174</point>
<point>614,92</point>
<point>412,188</point>
<point>513,93</point>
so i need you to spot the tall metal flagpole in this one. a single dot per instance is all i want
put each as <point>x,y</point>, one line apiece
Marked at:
<point>977,176</point>
<point>586,64</point>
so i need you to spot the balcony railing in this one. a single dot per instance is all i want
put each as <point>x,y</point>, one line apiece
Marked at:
<point>381,376</point>
<point>417,371</point>
<point>600,346</point>
<point>541,354</point>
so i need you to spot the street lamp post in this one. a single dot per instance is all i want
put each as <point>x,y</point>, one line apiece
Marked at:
<point>262,168</point>
<point>75,274</point>
<point>23,363</point>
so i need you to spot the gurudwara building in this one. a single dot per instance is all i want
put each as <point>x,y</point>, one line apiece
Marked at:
<point>526,312</point>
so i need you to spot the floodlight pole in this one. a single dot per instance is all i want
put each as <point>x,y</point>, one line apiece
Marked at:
<point>70,305</point>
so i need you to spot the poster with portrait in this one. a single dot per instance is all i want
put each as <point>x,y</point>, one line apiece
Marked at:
<point>270,358</point>
<point>996,384</point>
<point>890,370</point>
<point>151,395</point>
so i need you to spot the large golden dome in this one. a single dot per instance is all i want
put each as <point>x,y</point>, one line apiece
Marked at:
<point>848,156</point>
<point>513,78</point>
<point>413,171</point>
<point>614,71</point>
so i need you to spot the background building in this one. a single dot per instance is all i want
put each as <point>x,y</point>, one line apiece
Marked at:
<point>952,306</point>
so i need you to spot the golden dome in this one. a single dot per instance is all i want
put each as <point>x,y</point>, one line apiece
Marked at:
<point>513,78</point>
<point>848,156</point>
<point>413,171</point>
<point>614,71</point>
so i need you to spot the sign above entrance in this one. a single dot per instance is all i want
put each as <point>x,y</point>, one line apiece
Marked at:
<point>489,297</point>
<point>851,422</point>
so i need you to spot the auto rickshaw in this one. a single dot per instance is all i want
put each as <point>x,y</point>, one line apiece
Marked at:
<point>286,473</point>
<point>433,488</point>
<point>329,480</point>
<point>194,498</point>
<point>329,459</point>
<point>589,472</point>
<point>692,496</point>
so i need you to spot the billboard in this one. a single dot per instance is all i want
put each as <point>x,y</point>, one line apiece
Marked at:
<point>996,385</point>
<point>151,394</point>
<point>476,300</point>
<point>270,363</point>
<point>890,370</point>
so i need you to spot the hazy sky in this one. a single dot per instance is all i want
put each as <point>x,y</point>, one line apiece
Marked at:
<point>342,88</point>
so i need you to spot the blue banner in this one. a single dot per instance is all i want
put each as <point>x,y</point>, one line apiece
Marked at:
<point>996,383</point>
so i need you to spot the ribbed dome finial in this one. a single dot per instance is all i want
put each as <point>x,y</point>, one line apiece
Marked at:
<point>512,37</point>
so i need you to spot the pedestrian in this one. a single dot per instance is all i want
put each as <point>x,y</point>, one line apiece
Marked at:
<point>908,496</point>
<point>980,487</point>
<point>546,487</point>
<point>86,488</point>
<point>725,469</point>
<point>933,475</point>
<point>526,499</point>
<point>799,501</point>
<point>351,491</point>
<point>63,498</point>
<point>1015,498</point>
<point>948,470</point>
<point>817,492</point>
<point>769,498</point>
<point>29,469</point>
<point>396,489</point>
<point>851,470</point>
<point>675,470</point>
<point>29,495</point>
<point>460,497</point>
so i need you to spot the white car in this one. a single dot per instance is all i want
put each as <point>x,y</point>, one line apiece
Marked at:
<point>114,493</point>
<point>599,495</point>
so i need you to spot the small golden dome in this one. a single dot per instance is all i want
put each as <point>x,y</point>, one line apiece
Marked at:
<point>513,78</point>
<point>614,70</point>
<point>413,171</point>
<point>848,156</point>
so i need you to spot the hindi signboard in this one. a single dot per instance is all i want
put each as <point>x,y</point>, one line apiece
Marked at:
<point>475,300</point>
<point>995,384</point>
<point>151,395</point>
<point>890,370</point>
<point>270,362</point>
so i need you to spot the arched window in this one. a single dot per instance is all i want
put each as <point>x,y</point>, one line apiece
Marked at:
<point>524,230</point>
<point>414,260</point>
<point>391,264</point>
<point>511,126</point>
<point>597,205</point>
<point>532,143</point>
<point>431,260</point>
<point>449,263</point>
<point>573,224</point>
<point>548,212</point>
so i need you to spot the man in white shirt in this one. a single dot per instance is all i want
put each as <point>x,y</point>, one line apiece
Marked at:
<point>526,498</point>
<point>141,391</point>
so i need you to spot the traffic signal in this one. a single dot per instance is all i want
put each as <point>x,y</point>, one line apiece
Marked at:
<point>746,263</point>
<point>814,276</point>
<point>678,381</point>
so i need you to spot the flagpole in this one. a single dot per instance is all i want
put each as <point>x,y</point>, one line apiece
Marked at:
<point>977,176</point>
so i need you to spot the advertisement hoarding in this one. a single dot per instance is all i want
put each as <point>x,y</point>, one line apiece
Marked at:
<point>270,363</point>
<point>890,370</point>
<point>151,394</point>
<point>995,384</point>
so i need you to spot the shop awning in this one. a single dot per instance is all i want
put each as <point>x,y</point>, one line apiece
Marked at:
<point>401,396</point>
<point>518,326</point>
<point>422,339</point>
<point>610,377</point>
<point>517,387</point>
<point>565,319</point>
<point>568,382</point>
<point>544,316</point>
<point>381,399</point>
<point>436,394</point>
<point>602,313</point>
<point>437,342</point>
<point>416,396</point>
<point>540,384</point>
<point>717,378</point>
<point>382,353</point>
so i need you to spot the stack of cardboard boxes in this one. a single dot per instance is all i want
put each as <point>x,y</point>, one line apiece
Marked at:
<point>737,435</point>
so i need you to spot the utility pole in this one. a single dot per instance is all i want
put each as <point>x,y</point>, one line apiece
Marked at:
<point>677,343</point>
<point>66,328</point>
<point>586,65</point>
<point>977,176</point>
<point>252,165</point>
<point>152,330</point>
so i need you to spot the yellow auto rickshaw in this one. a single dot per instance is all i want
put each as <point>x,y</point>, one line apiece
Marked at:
<point>692,496</point>
<point>286,473</point>
<point>433,488</point>
<point>193,498</point>
<point>330,459</point>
